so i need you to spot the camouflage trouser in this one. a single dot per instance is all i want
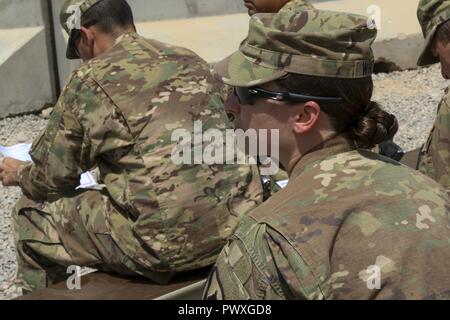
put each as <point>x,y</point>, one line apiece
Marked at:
<point>71,231</point>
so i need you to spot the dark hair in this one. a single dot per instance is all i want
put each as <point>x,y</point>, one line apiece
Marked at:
<point>109,16</point>
<point>443,32</point>
<point>364,120</point>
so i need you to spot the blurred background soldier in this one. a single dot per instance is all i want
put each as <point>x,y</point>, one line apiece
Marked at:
<point>117,113</point>
<point>351,224</point>
<point>434,18</point>
<point>274,6</point>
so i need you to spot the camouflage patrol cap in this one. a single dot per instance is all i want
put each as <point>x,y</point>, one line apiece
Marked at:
<point>70,18</point>
<point>431,14</point>
<point>312,42</point>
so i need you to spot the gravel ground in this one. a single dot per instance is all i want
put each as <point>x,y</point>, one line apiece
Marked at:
<point>412,96</point>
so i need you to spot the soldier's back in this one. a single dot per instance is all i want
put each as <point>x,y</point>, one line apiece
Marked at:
<point>180,214</point>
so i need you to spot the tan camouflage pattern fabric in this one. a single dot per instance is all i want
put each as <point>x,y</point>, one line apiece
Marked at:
<point>118,113</point>
<point>431,14</point>
<point>435,158</point>
<point>311,42</point>
<point>345,216</point>
<point>296,5</point>
<point>70,231</point>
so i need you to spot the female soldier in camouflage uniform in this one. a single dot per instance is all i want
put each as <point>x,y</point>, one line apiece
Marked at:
<point>351,224</point>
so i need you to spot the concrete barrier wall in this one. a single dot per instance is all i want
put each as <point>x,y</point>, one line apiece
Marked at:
<point>148,10</point>
<point>20,14</point>
<point>27,80</point>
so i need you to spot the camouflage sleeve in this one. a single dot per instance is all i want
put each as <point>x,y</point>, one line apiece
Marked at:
<point>436,157</point>
<point>257,266</point>
<point>82,126</point>
<point>229,277</point>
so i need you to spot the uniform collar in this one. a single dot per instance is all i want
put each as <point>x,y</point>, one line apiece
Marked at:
<point>329,148</point>
<point>124,36</point>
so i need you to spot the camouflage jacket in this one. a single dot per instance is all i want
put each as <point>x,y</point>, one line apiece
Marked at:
<point>294,5</point>
<point>117,113</point>
<point>351,224</point>
<point>435,160</point>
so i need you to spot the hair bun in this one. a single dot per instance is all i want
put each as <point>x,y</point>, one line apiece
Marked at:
<point>374,127</point>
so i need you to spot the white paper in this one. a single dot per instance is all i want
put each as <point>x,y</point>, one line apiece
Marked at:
<point>86,271</point>
<point>18,152</point>
<point>283,183</point>
<point>87,181</point>
<point>22,152</point>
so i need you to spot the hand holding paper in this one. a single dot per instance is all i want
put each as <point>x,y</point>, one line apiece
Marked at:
<point>21,154</point>
<point>18,152</point>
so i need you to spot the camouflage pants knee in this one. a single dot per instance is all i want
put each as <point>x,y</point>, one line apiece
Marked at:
<point>71,231</point>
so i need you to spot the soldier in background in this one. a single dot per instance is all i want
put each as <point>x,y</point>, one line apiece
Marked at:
<point>434,18</point>
<point>351,224</point>
<point>274,6</point>
<point>151,217</point>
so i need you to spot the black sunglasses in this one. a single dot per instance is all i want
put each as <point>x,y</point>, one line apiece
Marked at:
<point>249,95</point>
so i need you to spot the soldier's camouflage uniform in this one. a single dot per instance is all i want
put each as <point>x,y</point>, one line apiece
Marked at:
<point>296,5</point>
<point>435,158</point>
<point>351,224</point>
<point>152,217</point>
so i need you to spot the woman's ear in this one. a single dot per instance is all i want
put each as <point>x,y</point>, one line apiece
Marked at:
<point>87,38</point>
<point>85,44</point>
<point>307,117</point>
